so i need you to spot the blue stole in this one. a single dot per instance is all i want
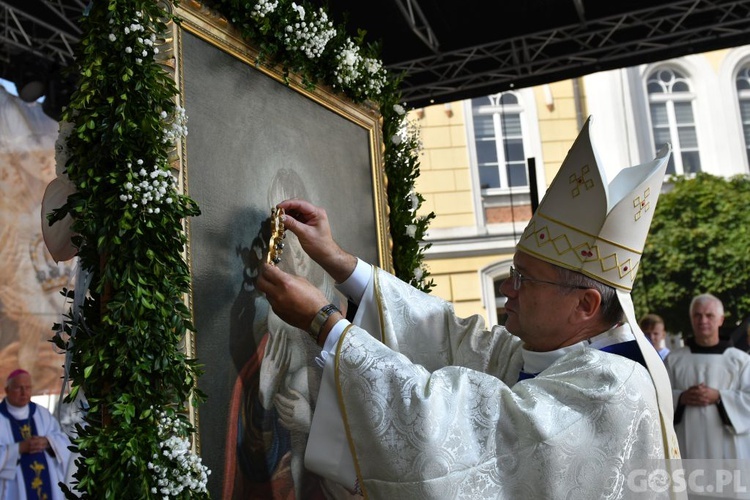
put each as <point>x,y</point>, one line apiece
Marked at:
<point>627,349</point>
<point>33,465</point>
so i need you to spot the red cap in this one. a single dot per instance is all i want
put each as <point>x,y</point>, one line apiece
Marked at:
<point>16,373</point>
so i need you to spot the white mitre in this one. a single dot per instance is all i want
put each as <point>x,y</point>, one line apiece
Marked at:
<point>592,226</point>
<point>599,228</point>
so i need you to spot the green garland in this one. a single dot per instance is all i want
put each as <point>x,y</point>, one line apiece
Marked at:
<point>122,125</point>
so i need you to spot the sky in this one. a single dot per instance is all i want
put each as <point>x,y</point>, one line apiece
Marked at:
<point>9,86</point>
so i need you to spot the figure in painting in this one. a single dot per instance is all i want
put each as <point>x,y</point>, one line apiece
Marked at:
<point>274,396</point>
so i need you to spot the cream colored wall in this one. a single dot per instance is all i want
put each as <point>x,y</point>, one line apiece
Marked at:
<point>715,58</point>
<point>444,178</point>
<point>558,126</point>
<point>457,281</point>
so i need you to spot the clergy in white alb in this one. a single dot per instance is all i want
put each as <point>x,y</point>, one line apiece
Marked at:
<point>450,418</point>
<point>711,384</point>
<point>33,448</point>
<point>416,402</point>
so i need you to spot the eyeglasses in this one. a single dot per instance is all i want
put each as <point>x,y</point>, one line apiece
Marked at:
<point>519,278</point>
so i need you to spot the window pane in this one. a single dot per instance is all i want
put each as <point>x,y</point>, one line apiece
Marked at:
<point>480,101</point>
<point>680,87</point>
<point>670,166</point>
<point>486,152</point>
<point>745,111</point>
<point>684,112</point>
<point>514,150</point>
<point>659,114</point>
<point>483,126</point>
<point>688,138</point>
<point>655,88</point>
<point>661,137</point>
<point>690,162</point>
<point>508,99</point>
<point>489,177</point>
<point>511,124</point>
<point>517,174</point>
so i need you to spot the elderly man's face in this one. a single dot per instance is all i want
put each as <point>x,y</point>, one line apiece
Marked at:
<point>706,321</point>
<point>19,390</point>
<point>539,313</point>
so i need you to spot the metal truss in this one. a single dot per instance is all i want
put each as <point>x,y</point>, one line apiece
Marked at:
<point>23,31</point>
<point>418,23</point>
<point>655,33</point>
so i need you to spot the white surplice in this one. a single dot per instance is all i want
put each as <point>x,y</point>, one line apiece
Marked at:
<point>446,417</point>
<point>701,432</point>
<point>11,477</point>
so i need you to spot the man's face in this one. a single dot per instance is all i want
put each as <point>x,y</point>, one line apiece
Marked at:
<point>19,390</point>
<point>706,321</point>
<point>538,313</point>
<point>655,334</point>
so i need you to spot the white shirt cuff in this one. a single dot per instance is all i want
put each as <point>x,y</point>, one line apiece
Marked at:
<point>354,286</point>
<point>329,347</point>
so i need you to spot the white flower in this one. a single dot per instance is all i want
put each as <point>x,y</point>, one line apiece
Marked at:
<point>128,50</point>
<point>414,200</point>
<point>396,139</point>
<point>310,36</point>
<point>411,230</point>
<point>349,61</point>
<point>418,273</point>
<point>112,37</point>
<point>399,109</point>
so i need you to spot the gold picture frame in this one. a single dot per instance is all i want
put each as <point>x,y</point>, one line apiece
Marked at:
<point>254,139</point>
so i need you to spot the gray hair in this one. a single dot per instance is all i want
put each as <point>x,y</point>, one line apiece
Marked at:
<point>611,310</point>
<point>707,297</point>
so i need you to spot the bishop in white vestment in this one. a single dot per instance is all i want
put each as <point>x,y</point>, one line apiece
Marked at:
<point>418,403</point>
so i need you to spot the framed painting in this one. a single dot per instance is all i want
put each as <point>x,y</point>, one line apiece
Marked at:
<point>255,140</point>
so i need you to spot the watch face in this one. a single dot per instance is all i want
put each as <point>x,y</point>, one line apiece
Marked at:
<point>276,240</point>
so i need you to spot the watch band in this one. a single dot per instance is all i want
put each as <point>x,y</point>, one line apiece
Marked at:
<point>320,319</point>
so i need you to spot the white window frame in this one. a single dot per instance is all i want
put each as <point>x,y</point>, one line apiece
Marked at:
<point>487,277</point>
<point>502,196</point>
<point>669,99</point>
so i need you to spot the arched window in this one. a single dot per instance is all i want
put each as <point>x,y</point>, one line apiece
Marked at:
<point>743,95</point>
<point>499,141</point>
<point>491,278</point>
<point>672,118</point>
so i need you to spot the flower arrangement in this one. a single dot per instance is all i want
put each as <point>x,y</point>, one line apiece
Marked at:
<point>184,470</point>
<point>115,142</point>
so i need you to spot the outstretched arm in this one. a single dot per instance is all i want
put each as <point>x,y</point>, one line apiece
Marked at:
<point>310,224</point>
